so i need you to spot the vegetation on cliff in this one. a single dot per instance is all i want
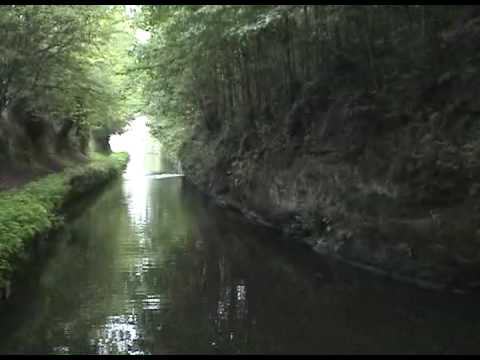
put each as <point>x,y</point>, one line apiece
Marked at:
<point>354,126</point>
<point>64,81</point>
<point>242,68</point>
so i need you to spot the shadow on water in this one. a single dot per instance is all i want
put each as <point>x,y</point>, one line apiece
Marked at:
<point>151,266</point>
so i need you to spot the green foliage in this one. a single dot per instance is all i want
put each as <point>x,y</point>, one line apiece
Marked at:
<point>67,64</point>
<point>32,211</point>
<point>212,65</point>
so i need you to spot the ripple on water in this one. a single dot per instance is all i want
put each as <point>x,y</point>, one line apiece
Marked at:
<point>119,335</point>
<point>152,267</point>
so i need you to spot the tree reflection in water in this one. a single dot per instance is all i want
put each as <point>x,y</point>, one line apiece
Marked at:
<point>150,266</point>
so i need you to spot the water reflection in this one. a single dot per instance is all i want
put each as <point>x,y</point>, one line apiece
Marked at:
<point>151,267</point>
<point>141,258</point>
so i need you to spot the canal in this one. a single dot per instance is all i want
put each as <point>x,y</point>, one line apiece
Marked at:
<point>149,265</point>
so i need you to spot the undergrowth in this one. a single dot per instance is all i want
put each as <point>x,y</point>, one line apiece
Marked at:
<point>33,210</point>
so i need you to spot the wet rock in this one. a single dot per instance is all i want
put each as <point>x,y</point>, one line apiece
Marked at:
<point>463,260</point>
<point>429,285</point>
<point>345,235</point>
<point>338,246</point>
<point>321,246</point>
<point>297,227</point>
<point>310,241</point>
<point>404,249</point>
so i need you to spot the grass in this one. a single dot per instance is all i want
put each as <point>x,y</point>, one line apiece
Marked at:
<point>33,210</point>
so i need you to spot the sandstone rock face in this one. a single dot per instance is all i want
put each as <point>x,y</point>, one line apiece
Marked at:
<point>31,145</point>
<point>365,183</point>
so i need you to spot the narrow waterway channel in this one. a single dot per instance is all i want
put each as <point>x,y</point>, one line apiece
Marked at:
<point>150,266</point>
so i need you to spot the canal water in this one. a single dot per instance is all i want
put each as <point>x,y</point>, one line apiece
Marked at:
<point>148,265</point>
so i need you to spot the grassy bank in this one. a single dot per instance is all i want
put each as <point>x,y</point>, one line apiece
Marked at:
<point>33,210</point>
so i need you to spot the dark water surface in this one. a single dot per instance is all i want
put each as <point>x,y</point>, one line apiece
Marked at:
<point>149,266</point>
